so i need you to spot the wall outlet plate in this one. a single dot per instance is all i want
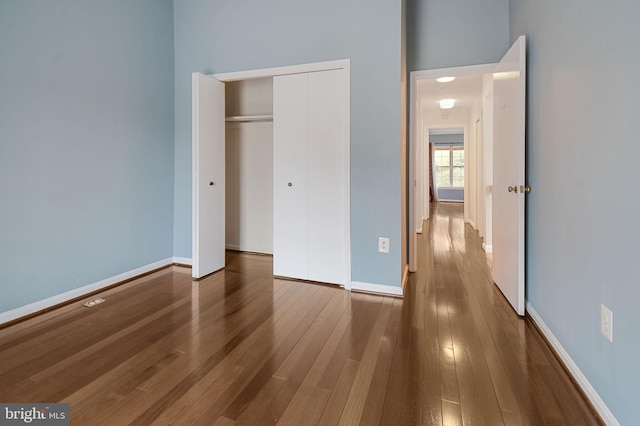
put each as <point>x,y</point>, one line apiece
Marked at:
<point>606,322</point>
<point>383,245</point>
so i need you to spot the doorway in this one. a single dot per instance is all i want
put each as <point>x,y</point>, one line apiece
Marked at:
<point>328,91</point>
<point>471,89</point>
<point>501,114</point>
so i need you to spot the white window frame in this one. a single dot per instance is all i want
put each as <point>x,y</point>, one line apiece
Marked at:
<point>450,148</point>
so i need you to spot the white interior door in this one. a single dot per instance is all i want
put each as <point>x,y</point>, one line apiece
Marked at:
<point>290,176</point>
<point>327,132</point>
<point>509,82</point>
<point>208,175</point>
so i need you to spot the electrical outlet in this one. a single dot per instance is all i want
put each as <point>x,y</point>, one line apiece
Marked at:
<point>606,322</point>
<point>383,245</point>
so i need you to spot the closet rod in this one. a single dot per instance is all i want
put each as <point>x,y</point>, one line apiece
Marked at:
<point>249,118</point>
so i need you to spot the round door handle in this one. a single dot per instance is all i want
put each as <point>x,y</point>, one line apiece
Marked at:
<point>289,184</point>
<point>513,189</point>
<point>212,184</point>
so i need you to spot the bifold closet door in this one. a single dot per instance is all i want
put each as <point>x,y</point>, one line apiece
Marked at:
<point>290,209</point>
<point>208,175</point>
<point>327,176</point>
<point>310,143</point>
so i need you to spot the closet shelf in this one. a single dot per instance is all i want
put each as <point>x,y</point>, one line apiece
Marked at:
<point>249,118</point>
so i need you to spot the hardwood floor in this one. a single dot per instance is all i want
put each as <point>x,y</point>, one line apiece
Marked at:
<point>241,347</point>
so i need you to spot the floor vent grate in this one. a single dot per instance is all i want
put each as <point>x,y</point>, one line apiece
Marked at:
<point>93,302</point>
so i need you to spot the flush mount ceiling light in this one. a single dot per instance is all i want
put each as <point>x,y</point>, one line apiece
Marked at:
<point>447,103</point>
<point>445,79</point>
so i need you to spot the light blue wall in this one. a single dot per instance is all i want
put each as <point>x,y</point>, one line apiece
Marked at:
<point>216,36</point>
<point>451,33</point>
<point>450,194</point>
<point>457,139</point>
<point>583,212</point>
<point>86,142</point>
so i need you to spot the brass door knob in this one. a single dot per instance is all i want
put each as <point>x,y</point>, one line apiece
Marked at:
<point>513,189</point>
<point>525,188</point>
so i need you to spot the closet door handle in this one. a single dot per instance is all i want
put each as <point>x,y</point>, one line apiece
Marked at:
<point>289,184</point>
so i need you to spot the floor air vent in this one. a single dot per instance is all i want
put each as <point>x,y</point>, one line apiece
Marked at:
<point>93,302</point>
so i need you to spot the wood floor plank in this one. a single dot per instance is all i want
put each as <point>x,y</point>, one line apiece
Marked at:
<point>243,347</point>
<point>372,410</point>
<point>172,374</point>
<point>358,393</point>
<point>191,385</point>
<point>364,310</point>
<point>296,365</point>
<point>334,407</point>
<point>306,406</point>
<point>315,305</point>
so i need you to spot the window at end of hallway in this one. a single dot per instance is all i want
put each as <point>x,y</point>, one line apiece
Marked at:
<point>449,164</point>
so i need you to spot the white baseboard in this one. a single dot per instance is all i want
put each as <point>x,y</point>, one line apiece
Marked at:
<point>376,288</point>
<point>486,248</point>
<point>72,294</point>
<point>183,261</point>
<point>579,377</point>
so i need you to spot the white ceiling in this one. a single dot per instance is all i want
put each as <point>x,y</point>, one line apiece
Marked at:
<point>446,131</point>
<point>465,90</point>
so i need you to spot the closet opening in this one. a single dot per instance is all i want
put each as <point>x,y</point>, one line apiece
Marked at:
<point>271,170</point>
<point>249,165</point>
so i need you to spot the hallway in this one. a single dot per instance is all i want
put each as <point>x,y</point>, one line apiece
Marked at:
<point>493,367</point>
<point>240,347</point>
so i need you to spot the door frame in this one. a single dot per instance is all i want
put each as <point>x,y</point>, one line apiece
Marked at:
<point>344,64</point>
<point>416,151</point>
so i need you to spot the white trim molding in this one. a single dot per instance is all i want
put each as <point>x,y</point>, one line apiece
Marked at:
<point>391,290</point>
<point>579,377</point>
<point>284,70</point>
<point>186,261</point>
<point>79,292</point>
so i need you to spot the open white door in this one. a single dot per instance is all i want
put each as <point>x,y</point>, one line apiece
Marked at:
<point>208,175</point>
<point>509,89</point>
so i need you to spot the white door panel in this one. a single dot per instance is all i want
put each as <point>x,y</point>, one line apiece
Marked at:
<point>509,81</point>
<point>208,175</point>
<point>290,123</point>
<point>327,187</point>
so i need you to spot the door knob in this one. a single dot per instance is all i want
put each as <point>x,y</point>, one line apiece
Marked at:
<point>513,189</point>
<point>525,188</point>
<point>289,184</point>
<point>212,184</point>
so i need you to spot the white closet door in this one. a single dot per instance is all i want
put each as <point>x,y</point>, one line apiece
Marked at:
<point>290,209</point>
<point>327,176</point>
<point>208,175</point>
